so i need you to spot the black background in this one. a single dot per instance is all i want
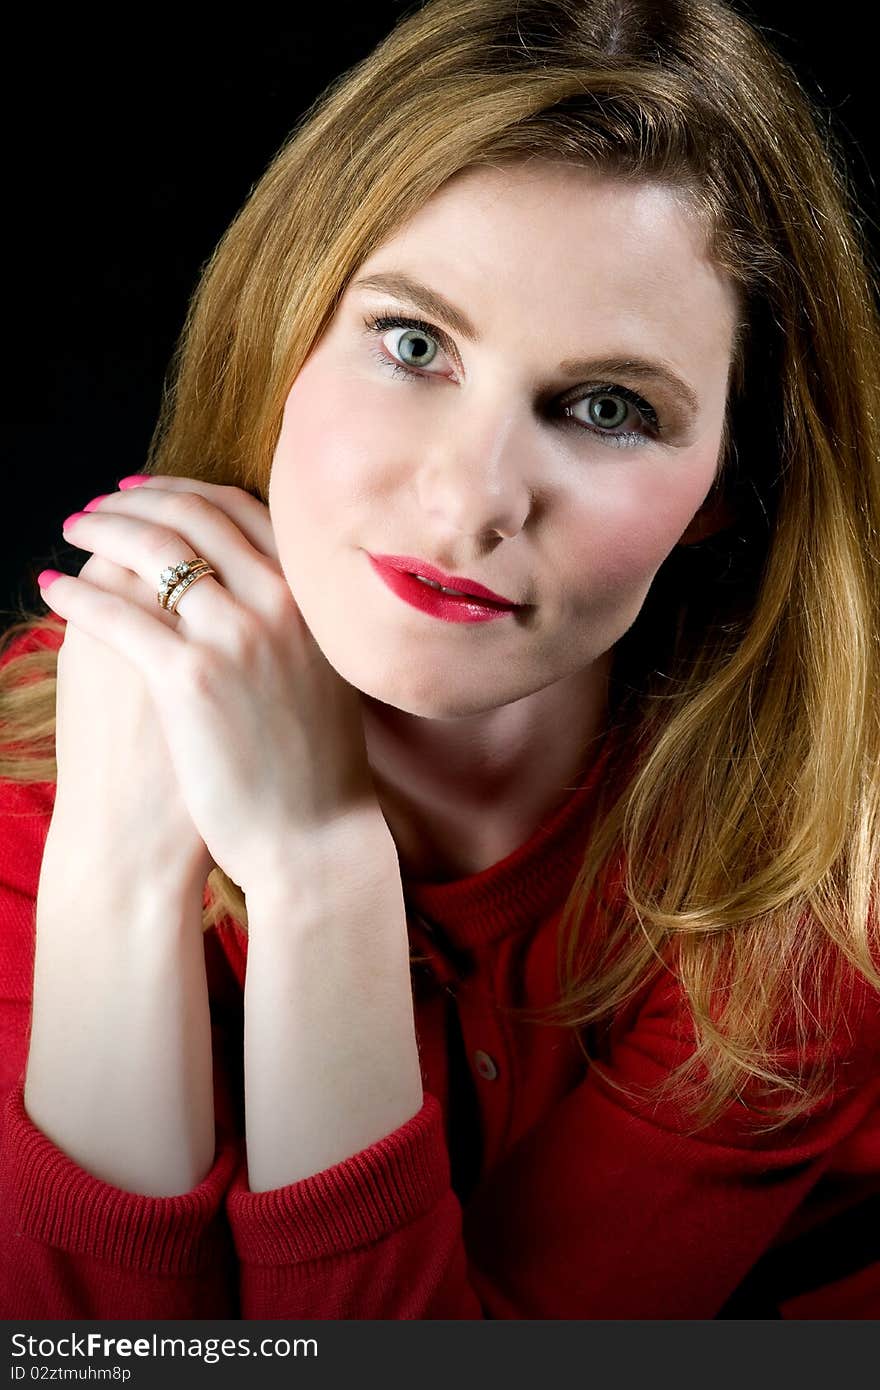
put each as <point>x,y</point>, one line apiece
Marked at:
<point>131,144</point>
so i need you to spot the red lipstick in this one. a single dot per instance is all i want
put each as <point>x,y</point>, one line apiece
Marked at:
<point>474,604</point>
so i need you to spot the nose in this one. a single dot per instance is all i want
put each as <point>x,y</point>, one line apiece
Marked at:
<point>474,479</point>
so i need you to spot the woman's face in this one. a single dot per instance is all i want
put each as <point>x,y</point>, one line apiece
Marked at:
<point>514,456</point>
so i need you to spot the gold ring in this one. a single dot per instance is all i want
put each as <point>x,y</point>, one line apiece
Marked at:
<point>176,579</point>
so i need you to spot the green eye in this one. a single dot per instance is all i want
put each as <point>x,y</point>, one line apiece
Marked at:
<point>608,403</point>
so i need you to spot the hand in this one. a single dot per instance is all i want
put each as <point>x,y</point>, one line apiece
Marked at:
<point>118,806</point>
<point>265,738</point>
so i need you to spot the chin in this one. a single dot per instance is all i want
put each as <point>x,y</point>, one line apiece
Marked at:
<point>397,679</point>
<point>424,705</point>
<point>410,694</point>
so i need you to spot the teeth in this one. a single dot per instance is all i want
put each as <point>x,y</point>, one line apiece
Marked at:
<point>430,582</point>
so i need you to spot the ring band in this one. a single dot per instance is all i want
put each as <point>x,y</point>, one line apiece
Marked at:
<point>176,579</point>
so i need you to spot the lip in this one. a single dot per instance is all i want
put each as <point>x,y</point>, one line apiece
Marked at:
<point>448,607</point>
<point>411,564</point>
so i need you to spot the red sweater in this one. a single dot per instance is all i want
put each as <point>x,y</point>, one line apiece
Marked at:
<point>525,1187</point>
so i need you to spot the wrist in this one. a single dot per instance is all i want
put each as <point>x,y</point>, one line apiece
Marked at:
<point>351,854</point>
<point>88,856</point>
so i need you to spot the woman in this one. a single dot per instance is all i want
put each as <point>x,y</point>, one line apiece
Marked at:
<point>556,892</point>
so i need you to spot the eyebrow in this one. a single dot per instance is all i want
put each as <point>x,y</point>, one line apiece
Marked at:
<point>645,370</point>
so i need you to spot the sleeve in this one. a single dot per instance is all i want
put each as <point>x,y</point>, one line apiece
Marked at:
<point>604,1210</point>
<point>71,1245</point>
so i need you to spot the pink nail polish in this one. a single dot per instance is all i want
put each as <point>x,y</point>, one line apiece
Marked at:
<point>47,577</point>
<point>133,480</point>
<point>69,519</point>
<point>90,506</point>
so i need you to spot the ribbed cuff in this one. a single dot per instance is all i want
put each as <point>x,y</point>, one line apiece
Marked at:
<point>359,1200</point>
<point>60,1204</point>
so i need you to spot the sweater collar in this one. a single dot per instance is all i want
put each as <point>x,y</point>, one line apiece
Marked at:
<point>522,888</point>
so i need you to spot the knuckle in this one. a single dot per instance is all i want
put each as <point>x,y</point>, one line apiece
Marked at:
<point>279,599</point>
<point>191,504</point>
<point>242,636</point>
<point>243,497</point>
<point>199,672</point>
<point>160,539</point>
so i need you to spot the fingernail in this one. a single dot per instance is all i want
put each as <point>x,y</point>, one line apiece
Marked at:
<point>90,506</point>
<point>133,480</point>
<point>47,577</point>
<point>69,519</point>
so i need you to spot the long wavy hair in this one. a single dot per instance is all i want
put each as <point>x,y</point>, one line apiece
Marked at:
<point>734,842</point>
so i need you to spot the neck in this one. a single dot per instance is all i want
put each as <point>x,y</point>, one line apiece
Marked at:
<point>460,794</point>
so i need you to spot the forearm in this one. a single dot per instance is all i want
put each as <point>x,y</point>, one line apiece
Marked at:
<point>330,1053</point>
<point>119,1071</point>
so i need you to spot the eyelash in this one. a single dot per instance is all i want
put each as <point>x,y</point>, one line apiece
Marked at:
<point>380,323</point>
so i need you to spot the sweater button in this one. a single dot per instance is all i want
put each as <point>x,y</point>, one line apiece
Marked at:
<point>485,1066</point>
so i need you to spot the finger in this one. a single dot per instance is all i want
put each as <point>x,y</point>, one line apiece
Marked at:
<point>150,645</point>
<point>113,578</point>
<point>150,535</point>
<point>249,513</point>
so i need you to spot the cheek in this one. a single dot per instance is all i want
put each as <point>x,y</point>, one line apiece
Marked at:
<point>633,517</point>
<point>327,462</point>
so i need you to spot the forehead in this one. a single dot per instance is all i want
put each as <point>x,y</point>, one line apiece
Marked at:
<point>564,241</point>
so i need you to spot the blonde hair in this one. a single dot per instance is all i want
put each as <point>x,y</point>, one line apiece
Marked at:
<point>742,812</point>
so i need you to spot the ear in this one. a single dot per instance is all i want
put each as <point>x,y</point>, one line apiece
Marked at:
<point>714,515</point>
